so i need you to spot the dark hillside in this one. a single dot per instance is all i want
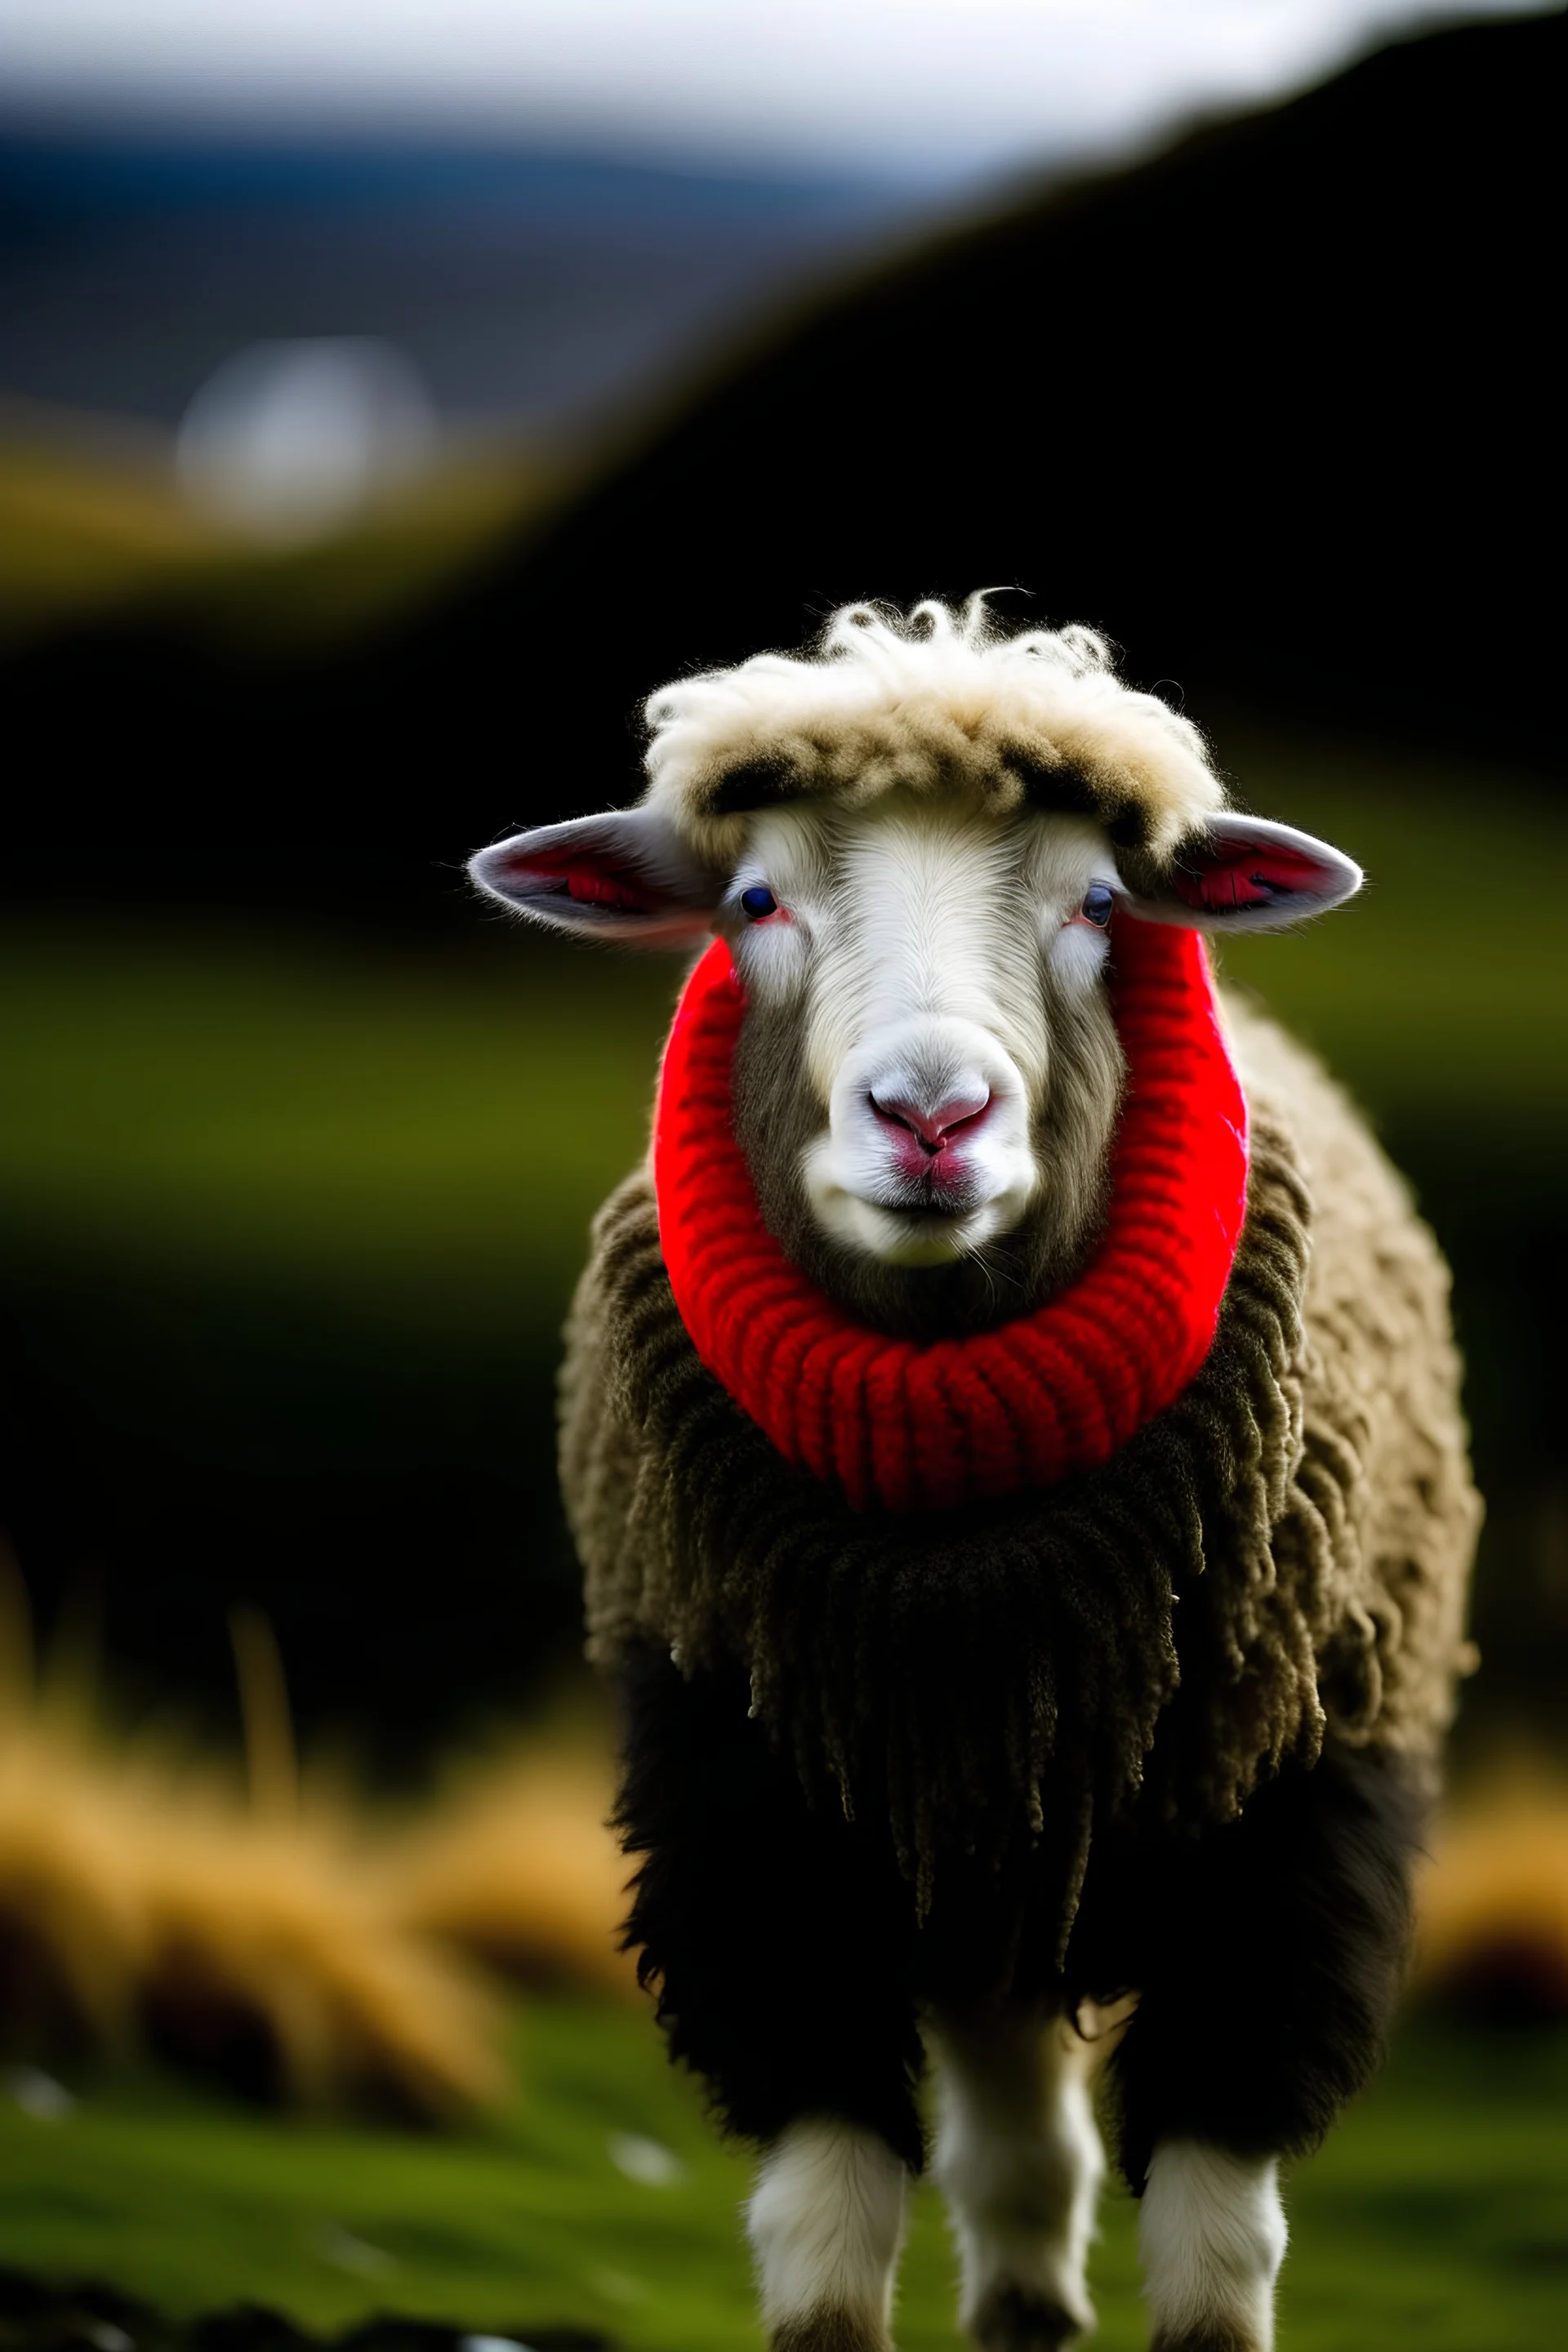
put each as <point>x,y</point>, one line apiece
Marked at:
<point>1271,408</point>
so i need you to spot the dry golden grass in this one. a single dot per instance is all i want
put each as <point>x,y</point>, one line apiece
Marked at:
<point>291,1940</point>
<point>275,1951</point>
<point>287,1938</point>
<point>1494,1898</point>
<point>516,1866</point>
<point>142,1894</point>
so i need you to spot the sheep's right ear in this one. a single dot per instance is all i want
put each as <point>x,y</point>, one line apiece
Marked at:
<point>623,876</point>
<point>1238,873</point>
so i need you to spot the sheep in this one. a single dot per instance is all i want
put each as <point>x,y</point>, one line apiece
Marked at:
<point>1011,1431</point>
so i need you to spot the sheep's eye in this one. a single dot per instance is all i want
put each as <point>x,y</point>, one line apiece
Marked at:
<point>1097,902</point>
<point>758,901</point>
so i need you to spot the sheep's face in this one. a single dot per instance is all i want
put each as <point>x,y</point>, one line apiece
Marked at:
<point>928,1077</point>
<point>928,1074</point>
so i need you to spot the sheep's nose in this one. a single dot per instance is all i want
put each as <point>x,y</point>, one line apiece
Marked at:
<point>936,1127</point>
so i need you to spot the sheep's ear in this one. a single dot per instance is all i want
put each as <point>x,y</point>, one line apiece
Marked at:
<point>625,876</point>
<point>1245,874</point>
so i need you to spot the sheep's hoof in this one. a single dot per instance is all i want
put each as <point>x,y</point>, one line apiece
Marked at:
<point>1012,2319</point>
<point>830,2331</point>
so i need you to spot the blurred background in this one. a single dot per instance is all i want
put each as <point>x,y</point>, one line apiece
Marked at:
<point>389,400</point>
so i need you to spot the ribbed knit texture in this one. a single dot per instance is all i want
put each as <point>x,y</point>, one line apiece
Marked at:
<point>1287,1544</point>
<point>915,1426</point>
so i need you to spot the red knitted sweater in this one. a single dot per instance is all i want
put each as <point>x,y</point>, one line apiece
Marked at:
<point>913,1425</point>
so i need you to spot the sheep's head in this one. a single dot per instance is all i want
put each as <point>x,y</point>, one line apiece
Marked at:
<point>914,844</point>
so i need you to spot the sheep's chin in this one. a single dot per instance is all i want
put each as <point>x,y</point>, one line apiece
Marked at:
<point>907,1237</point>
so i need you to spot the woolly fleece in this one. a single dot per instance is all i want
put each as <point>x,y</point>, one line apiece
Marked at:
<point>938,701</point>
<point>1285,1549</point>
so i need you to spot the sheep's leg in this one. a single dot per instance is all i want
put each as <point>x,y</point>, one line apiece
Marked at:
<point>825,2224</point>
<point>1018,2158</point>
<point>1212,2233</point>
<point>778,1937</point>
<point>1267,2003</point>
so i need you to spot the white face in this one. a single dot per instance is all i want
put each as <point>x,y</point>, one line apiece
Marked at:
<point>928,1073</point>
<point>919,946</point>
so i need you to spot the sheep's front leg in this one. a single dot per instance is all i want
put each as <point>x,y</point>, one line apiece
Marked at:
<point>825,2225</point>
<point>1213,2237</point>
<point>1019,2160</point>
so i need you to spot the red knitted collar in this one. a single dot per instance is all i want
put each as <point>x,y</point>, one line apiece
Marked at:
<point>914,1426</point>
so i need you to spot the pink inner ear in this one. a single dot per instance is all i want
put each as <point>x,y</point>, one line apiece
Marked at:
<point>601,891</point>
<point>590,885</point>
<point>1243,876</point>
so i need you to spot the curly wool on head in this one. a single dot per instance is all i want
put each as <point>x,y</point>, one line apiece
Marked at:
<point>931,701</point>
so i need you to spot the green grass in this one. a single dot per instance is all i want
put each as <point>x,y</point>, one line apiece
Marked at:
<point>1436,990</point>
<point>370,1130</point>
<point>1438,2214</point>
<point>368,1133</point>
<point>376,1128</point>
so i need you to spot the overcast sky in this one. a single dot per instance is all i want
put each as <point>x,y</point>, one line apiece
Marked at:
<point>927,86</point>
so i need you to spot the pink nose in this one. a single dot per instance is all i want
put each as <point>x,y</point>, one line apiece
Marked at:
<point>933,1129</point>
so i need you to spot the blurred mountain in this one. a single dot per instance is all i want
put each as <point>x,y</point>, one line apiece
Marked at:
<point>528,287</point>
<point>1273,408</point>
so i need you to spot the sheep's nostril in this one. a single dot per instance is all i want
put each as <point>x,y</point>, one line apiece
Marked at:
<point>937,1127</point>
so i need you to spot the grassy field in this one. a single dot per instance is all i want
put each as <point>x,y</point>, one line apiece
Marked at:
<point>357,1138</point>
<point>300,1218</point>
<point>1436,2216</point>
<point>361,1122</point>
<point>356,1127</point>
<point>1387,988</point>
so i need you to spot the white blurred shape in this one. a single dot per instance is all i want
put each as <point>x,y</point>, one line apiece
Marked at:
<point>287,440</point>
<point>38,2094</point>
<point>647,2161</point>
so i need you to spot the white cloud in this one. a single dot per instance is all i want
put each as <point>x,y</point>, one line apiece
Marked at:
<point>931,84</point>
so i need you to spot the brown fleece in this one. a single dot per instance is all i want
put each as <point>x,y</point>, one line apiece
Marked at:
<point>1285,1548</point>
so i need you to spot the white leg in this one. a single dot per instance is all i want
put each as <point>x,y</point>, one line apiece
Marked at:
<point>1213,2237</point>
<point>826,2223</point>
<point>1018,2159</point>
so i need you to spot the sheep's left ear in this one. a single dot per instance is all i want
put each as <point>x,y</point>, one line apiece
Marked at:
<point>1246,874</point>
<point>625,876</point>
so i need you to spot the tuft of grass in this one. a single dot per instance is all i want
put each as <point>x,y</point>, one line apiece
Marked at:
<point>514,1863</point>
<point>1494,1899</point>
<point>297,1941</point>
<point>142,1898</point>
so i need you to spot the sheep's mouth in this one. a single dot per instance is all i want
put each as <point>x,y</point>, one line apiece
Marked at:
<point>919,1232</point>
<point>934,1195</point>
